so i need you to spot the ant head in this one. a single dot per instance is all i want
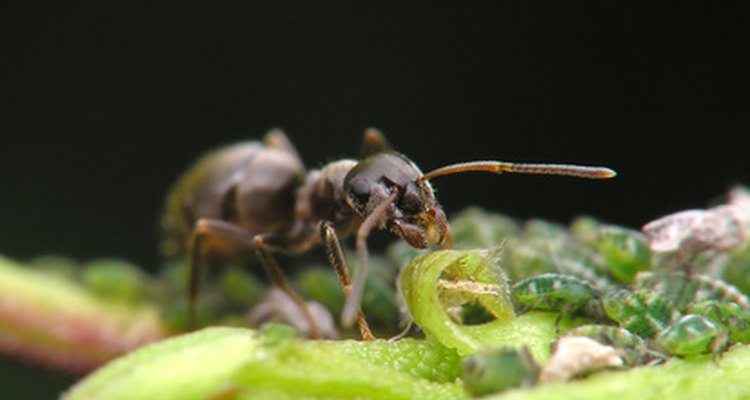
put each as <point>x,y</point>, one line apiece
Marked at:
<point>413,214</point>
<point>388,189</point>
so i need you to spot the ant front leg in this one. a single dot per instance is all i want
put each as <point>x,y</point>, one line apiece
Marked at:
<point>217,233</point>
<point>352,303</point>
<point>338,261</point>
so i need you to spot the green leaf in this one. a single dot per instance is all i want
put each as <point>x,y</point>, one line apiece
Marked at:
<point>694,378</point>
<point>240,363</point>
<point>187,367</point>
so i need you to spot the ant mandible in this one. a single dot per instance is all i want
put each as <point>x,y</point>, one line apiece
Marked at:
<point>255,197</point>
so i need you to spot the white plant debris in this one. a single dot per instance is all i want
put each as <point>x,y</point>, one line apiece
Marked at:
<point>740,197</point>
<point>684,236</point>
<point>577,355</point>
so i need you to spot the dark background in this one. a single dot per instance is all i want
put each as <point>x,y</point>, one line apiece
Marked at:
<point>104,106</point>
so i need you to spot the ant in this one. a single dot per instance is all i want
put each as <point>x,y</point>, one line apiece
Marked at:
<point>255,197</point>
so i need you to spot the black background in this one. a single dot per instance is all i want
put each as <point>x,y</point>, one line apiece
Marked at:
<point>104,106</point>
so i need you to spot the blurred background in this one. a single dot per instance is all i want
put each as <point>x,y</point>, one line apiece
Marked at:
<point>103,107</point>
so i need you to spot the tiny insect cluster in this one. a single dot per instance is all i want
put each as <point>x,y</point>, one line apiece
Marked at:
<point>605,297</point>
<point>623,289</point>
<point>621,297</point>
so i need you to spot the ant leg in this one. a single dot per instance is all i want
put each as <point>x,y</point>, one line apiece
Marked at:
<point>403,332</point>
<point>278,277</point>
<point>243,240</point>
<point>206,229</point>
<point>521,309</point>
<point>277,139</point>
<point>352,303</point>
<point>338,261</point>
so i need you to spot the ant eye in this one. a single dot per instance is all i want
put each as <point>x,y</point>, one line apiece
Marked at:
<point>361,190</point>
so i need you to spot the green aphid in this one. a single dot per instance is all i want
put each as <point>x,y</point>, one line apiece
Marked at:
<point>239,288</point>
<point>523,259</point>
<point>321,285</point>
<point>682,288</point>
<point>626,251</point>
<point>495,370</point>
<point>557,292</point>
<point>476,228</point>
<point>116,280</point>
<point>534,251</point>
<point>692,334</point>
<point>545,247</point>
<point>56,265</point>
<point>401,253</point>
<point>553,234</point>
<point>173,313</point>
<point>732,317</point>
<point>172,292</point>
<point>634,349</point>
<point>587,267</point>
<point>585,229</point>
<point>642,312</point>
<point>273,333</point>
<point>736,270</point>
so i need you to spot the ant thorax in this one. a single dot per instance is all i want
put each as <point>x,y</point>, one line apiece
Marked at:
<point>321,198</point>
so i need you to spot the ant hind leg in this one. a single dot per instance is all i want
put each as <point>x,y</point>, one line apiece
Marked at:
<point>222,236</point>
<point>209,236</point>
<point>373,142</point>
<point>277,276</point>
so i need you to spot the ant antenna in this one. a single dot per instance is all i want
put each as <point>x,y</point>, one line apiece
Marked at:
<point>499,167</point>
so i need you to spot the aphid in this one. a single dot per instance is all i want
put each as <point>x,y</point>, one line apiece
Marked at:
<point>626,251</point>
<point>683,289</point>
<point>620,252</point>
<point>115,280</point>
<point>633,349</point>
<point>732,317</point>
<point>496,370</point>
<point>474,228</point>
<point>585,266</point>
<point>641,312</point>
<point>546,247</point>
<point>257,198</point>
<point>556,292</point>
<point>692,334</point>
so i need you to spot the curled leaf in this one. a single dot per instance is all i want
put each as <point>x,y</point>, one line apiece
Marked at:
<point>473,275</point>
